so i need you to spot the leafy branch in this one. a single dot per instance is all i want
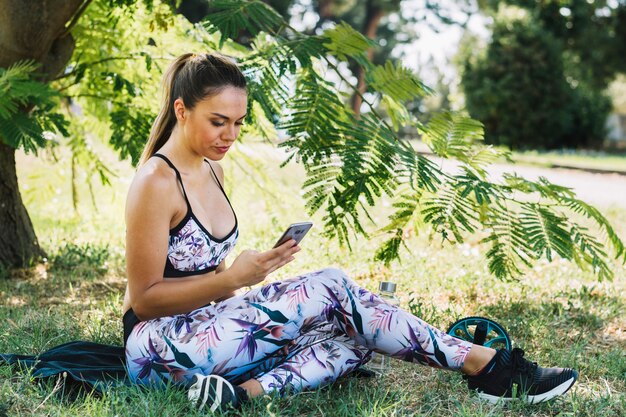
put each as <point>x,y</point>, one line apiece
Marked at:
<point>27,108</point>
<point>352,161</point>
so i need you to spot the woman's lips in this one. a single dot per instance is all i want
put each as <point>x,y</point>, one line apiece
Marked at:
<point>224,149</point>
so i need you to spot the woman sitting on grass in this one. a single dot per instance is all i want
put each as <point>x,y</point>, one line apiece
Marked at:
<point>185,320</point>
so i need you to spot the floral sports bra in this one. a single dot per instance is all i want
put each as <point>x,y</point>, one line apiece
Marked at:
<point>192,250</point>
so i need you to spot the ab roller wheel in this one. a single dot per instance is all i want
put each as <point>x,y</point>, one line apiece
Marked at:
<point>481,331</point>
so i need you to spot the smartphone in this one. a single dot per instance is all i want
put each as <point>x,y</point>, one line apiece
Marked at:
<point>295,231</point>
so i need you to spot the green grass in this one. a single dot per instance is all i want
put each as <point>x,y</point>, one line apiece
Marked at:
<point>560,315</point>
<point>573,158</point>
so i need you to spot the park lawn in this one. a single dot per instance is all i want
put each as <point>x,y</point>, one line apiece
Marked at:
<point>611,162</point>
<point>558,314</point>
<point>593,160</point>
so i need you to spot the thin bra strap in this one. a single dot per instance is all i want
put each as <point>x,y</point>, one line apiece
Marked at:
<point>223,192</point>
<point>216,179</point>
<point>180,179</point>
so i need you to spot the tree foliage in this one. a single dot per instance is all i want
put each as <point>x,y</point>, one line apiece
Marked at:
<point>21,91</point>
<point>592,34</point>
<point>351,161</point>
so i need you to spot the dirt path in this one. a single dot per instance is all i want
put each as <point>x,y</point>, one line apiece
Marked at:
<point>602,190</point>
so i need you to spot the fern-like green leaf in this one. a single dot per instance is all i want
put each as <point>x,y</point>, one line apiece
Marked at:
<point>389,250</point>
<point>591,212</point>
<point>344,41</point>
<point>545,231</point>
<point>406,215</point>
<point>507,240</point>
<point>452,135</point>
<point>450,212</point>
<point>566,197</point>
<point>130,129</point>
<point>18,89</point>
<point>319,185</point>
<point>396,81</point>
<point>310,117</point>
<point>542,186</point>
<point>26,108</point>
<point>589,252</point>
<point>484,192</point>
<point>233,16</point>
<point>397,112</point>
<point>23,132</point>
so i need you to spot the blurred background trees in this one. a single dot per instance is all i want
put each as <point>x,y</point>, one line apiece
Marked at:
<point>542,81</point>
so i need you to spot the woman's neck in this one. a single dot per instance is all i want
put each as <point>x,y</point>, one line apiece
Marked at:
<point>182,155</point>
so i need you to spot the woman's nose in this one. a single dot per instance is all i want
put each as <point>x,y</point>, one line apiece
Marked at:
<point>231,132</point>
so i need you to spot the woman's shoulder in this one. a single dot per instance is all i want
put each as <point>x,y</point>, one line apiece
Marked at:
<point>154,178</point>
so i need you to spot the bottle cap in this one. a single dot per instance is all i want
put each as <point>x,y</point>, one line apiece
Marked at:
<point>387,286</point>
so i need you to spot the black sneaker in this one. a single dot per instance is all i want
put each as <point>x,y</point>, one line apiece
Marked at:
<point>513,376</point>
<point>214,392</point>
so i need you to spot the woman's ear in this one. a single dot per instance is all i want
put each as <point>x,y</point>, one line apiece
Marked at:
<point>179,110</point>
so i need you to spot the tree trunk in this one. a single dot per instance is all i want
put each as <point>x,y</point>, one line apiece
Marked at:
<point>18,243</point>
<point>37,30</point>
<point>373,15</point>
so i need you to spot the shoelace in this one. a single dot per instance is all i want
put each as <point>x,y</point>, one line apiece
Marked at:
<point>522,366</point>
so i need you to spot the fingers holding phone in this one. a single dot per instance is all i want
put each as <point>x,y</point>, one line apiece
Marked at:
<point>252,267</point>
<point>289,241</point>
<point>283,254</point>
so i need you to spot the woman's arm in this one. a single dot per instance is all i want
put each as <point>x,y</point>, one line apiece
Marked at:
<point>221,268</point>
<point>149,211</point>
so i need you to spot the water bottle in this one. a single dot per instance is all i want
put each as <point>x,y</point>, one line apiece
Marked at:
<point>380,363</point>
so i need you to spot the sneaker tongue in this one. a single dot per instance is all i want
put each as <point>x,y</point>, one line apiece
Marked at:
<point>521,365</point>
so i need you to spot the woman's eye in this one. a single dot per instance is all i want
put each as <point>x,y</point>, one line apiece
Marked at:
<point>221,124</point>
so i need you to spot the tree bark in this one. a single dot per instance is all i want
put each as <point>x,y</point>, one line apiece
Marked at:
<point>18,242</point>
<point>36,30</point>
<point>373,15</point>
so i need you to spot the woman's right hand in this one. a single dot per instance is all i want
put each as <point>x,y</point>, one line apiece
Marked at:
<point>252,267</point>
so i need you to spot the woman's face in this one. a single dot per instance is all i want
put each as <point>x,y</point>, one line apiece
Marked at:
<point>211,127</point>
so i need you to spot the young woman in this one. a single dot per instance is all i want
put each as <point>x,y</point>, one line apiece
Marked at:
<point>185,321</point>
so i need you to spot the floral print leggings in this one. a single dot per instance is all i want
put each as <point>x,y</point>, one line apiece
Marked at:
<point>335,323</point>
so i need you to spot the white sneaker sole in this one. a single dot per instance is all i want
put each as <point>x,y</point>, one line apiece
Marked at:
<point>203,387</point>
<point>532,399</point>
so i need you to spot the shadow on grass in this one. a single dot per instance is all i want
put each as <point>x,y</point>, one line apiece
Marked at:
<point>575,328</point>
<point>567,315</point>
